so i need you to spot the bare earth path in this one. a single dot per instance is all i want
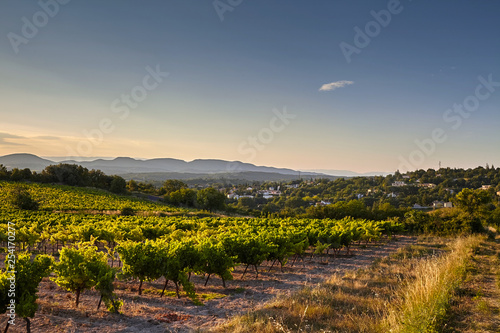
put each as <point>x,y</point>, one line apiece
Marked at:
<point>150,313</point>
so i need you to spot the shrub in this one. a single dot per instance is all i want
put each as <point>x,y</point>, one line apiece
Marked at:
<point>127,211</point>
<point>20,198</point>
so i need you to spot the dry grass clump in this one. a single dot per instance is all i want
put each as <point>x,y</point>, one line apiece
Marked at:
<point>422,304</point>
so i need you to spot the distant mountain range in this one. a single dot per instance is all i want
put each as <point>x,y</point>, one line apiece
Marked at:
<point>170,168</point>
<point>158,166</point>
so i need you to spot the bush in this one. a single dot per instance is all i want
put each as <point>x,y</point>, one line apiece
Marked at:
<point>20,198</point>
<point>84,267</point>
<point>442,222</point>
<point>127,211</point>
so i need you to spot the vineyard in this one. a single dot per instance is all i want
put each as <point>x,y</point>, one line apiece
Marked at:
<point>96,252</point>
<point>68,198</point>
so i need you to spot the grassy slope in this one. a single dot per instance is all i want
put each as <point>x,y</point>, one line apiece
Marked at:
<point>60,197</point>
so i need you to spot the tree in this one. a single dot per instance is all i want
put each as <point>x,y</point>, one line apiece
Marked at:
<point>4,173</point>
<point>184,196</point>
<point>118,185</point>
<point>20,198</point>
<point>20,174</point>
<point>173,185</point>
<point>247,203</point>
<point>99,179</point>
<point>210,199</point>
<point>295,202</point>
<point>69,174</point>
<point>132,186</point>
<point>472,201</point>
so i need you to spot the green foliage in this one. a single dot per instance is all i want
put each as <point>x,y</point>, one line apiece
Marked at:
<point>69,174</point>
<point>248,248</point>
<point>83,267</point>
<point>127,211</point>
<point>210,199</point>
<point>63,198</point>
<point>132,186</point>
<point>28,275</point>
<point>104,277</point>
<point>180,258</point>
<point>173,185</point>
<point>20,198</point>
<point>215,260</point>
<point>442,222</point>
<point>142,260</point>
<point>472,201</point>
<point>283,246</point>
<point>494,217</point>
<point>4,291</point>
<point>118,185</point>
<point>467,218</point>
<point>246,203</point>
<point>183,196</point>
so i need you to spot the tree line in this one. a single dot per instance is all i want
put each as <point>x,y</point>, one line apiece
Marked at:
<point>67,174</point>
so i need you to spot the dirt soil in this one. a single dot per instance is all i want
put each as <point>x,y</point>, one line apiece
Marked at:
<point>150,313</point>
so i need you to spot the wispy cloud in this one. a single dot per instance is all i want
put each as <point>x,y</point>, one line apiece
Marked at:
<point>4,139</point>
<point>46,137</point>
<point>10,140</point>
<point>335,85</point>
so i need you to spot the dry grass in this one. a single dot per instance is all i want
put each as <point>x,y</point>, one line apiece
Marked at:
<point>413,278</point>
<point>476,305</point>
<point>422,304</point>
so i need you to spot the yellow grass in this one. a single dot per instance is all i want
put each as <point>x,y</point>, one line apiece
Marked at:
<point>422,304</point>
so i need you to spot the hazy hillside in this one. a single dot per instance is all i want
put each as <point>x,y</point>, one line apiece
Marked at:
<point>22,161</point>
<point>165,168</point>
<point>235,178</point>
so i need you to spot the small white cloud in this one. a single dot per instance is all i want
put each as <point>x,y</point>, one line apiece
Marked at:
<point>335,85</point>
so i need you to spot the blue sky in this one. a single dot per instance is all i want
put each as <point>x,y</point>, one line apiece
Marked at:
<point>225,78</point>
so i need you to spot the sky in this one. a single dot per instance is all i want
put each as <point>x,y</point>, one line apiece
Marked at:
<point>362,85</point>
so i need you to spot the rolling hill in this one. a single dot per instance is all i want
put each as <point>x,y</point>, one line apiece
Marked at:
<point>158,169</point>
